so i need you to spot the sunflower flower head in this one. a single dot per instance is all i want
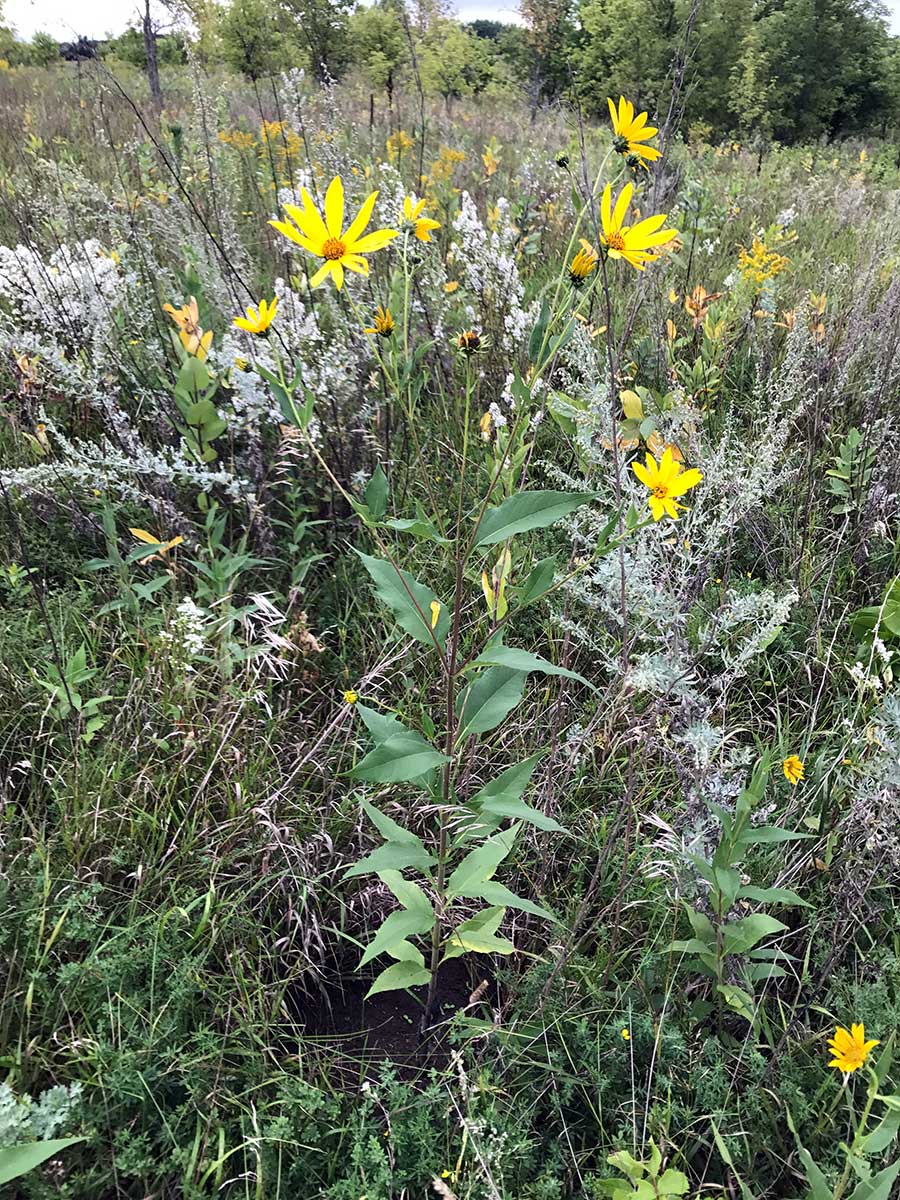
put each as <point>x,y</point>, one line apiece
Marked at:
<point>382,323</point>
<point>326,238</point>
<point>468,341</point>
<point>630,132</point>
<point>666,481</point>
<point>257,320</point>
<point>850,1048</point>
<point>422,226</point>
<point>582,265</point>
<point>793,769</point>
<point>634,243</point>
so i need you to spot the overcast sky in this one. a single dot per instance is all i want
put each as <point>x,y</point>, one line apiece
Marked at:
<point>65,20</point>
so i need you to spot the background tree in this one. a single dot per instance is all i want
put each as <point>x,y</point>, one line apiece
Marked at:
<point>552,36</point>
<point>379,45</point>
<point>452,62</point>
<point>321,27</point>
<point>252,42</point>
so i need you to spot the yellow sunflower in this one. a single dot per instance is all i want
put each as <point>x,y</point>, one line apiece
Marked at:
<point>633,243</point>
<point>851,1049</point>
<point>324,237</point>
<point>630,131</point>
<point>793,769</point>
<point>666,481</point>
<point>412,212</point>
<point>258,321</point>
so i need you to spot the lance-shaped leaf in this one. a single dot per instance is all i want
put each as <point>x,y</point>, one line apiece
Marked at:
<point>525,511</point>
<point>479,935</point>
<point>402,849</point>
<point>400,975</point>
<point>404,758</point>
<point>376,494</point>
<point>396,929</point>
<point>16,1161</point>
<point>502,797</point>
<point>538,582</point>
<point>480,864</point>
<point>522,660</point>
<point>497,893</point>
<point>410,601</point>
<point>491,697</point>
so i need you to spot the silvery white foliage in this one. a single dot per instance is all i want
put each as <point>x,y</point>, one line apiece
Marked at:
<point>661,675</point>
<point>742,627</point>
<point>704,742</point>
<point>24,1119</point>
<point>872,824</point>
<point>73,292</point>
<point>103,466</point>
<point>486,263</point>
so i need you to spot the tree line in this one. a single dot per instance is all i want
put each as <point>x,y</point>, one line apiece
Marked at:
<point>791,70</point>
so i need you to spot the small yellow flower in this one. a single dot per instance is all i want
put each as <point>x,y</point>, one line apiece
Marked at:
<point>626,1035</point>
<point>450,286</point>
<point>633,243</point>
<point>666,481</point>
<point>793,769</point>
<point>382,323</point>
<point>423,226</point>
<point>760,262</point>
<point>630,131</point>
<point>584,262</point>
<point>350,697</point>
<point>257,321</point>
<point>850,1049</point>
<point>326,237</point>
<point>435,612</point>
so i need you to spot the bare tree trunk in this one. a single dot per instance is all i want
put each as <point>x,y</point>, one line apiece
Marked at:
<point>152,60</point>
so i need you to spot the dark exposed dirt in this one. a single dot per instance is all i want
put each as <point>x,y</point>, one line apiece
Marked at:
<point>355,1034</point>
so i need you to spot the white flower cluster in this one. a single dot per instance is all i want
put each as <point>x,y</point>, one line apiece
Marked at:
<point>184,637</point>
<point>72,293</point>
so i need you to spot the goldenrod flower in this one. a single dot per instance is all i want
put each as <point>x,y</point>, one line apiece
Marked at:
<point>630,131</point>
<point>631,243</point>
<point>760,262</point>
<point>793,769</point>
<point>851,1049</point>
<point>258,321</point>
<point>582,264</point>
<point>468,341</point>
<point>350,697</point>
<point>412,212</point>
<point>324,237</point>
<point>382,323</point>
<point>666,481</point>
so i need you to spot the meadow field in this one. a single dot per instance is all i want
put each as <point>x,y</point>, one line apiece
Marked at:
<point>449,606</point>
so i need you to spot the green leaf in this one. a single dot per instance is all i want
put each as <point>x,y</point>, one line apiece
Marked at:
<point>773,895</point>
<point>818,1184</point>
<point>884,1132</point>
<point>409,601</point>
<point>522,660</point>
<point>392,856</point>
<point>879,1187</point>
<point>672,1183</point>
<point>397,928</point>
<point>767,834</point>
<point>409,894</point>
<point>16,1161</point>
<point>738,1000</point>
<point>478,935</point>
<point>376,493</point>
<point>741,936</point>
<point>481,863</point>
<point>525,511</point>
<point>538,581</point>
<point>389,830</point>
<point>403,758</point>
<point>489,699</point>
<point>418,527</point>
<point>381,726</point>
<point>702,926</point>
<point>496,893</point>
<point>399,975</point>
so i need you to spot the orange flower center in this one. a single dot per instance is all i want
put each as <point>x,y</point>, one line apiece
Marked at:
<point>333,249</point>
<point>615,241</point>
<point>660,492</point>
